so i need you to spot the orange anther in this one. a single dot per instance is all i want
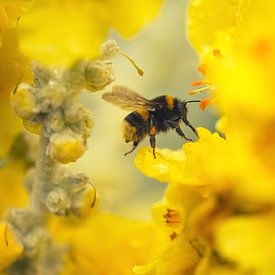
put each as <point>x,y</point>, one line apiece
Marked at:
<point>217,53</point>
<point>172,217</point>
<point>202,68</point>
<point>198,83</point>
<point>205,102</point>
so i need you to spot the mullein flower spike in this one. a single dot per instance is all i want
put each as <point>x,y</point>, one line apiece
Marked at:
<point>51,109</point>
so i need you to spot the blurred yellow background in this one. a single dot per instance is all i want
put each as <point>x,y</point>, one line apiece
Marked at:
<point>161,49</point>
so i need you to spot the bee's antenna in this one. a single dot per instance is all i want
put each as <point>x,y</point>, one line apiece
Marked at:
<point>192,101</point>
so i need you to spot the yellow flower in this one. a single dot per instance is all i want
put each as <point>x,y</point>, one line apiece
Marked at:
<point>249,241</point>
<point>165,168</point>
<point>60,32</point>
<point>10,126</point>
<point>223,188</point>
<point>115,244</point>
<point>23,102</point>
<point>179,258</point>
<point>13,68</point>
<point>185,166</point>
<point>211,25</point>
<point>10,247</point>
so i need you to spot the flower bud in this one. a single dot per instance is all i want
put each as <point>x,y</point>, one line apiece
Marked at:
<point>56,121</point>
<point>50,97</point>
<point>58,201</point>
<point>98,75</point>
<point>84,201</point>
<point>23,101</point>
<point>66,147</point>
<point>32,127</point>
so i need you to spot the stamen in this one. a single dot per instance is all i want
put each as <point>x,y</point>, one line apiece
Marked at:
<point>133,62</point>
<point>173,235</point>
<point>172,217</point>
<point>198,83</point>
<point>205,103</point>
<point>202,68</point>
<point>197,91</point>
<point>217,53</point>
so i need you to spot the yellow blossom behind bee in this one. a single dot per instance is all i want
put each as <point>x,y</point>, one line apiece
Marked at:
<point>60,32</point>
<point>228,215</point>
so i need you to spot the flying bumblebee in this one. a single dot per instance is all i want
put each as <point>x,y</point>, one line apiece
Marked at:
<point>149,117</point>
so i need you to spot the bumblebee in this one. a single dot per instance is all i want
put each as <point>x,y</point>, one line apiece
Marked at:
<point>149,117</point>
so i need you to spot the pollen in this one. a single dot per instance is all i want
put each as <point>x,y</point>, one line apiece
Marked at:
<point>153,131</point>
<point>205,103</point>
<point>172,217</point>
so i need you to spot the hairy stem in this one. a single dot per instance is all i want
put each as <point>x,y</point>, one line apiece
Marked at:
<point>45,172</point>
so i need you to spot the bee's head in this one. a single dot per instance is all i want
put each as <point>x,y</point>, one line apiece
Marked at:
<point>184,105</point>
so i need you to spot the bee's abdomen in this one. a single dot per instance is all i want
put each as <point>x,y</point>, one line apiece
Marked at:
<point>135,127</point>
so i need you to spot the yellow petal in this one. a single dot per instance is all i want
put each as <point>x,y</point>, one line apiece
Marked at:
<point>124,243</point>
<point>248,241</point>
<point>14,67</point>
<point>3,19</point>
<point>10,247</point>
<point>128,17</point>
<point>211,24</point>
<point>166,167</point>
<point>60,32</point>
<point>179,258</point>
<point>11,126</point>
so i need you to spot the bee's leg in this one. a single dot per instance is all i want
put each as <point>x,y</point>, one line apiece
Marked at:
<point>152,135</point>
<point>153,145</point>
<point>190,126</point>
<point>134,147</point>
<point>180,133</point>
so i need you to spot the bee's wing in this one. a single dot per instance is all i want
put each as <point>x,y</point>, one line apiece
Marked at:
<point>128,99</point>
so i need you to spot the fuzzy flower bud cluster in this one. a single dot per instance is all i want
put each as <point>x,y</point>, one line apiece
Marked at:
<point>73,194</point>
<point>51,103</point>
<point>51,108</point>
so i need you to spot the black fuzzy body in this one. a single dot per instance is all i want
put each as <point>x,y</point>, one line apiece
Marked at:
<point>163,118</point>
